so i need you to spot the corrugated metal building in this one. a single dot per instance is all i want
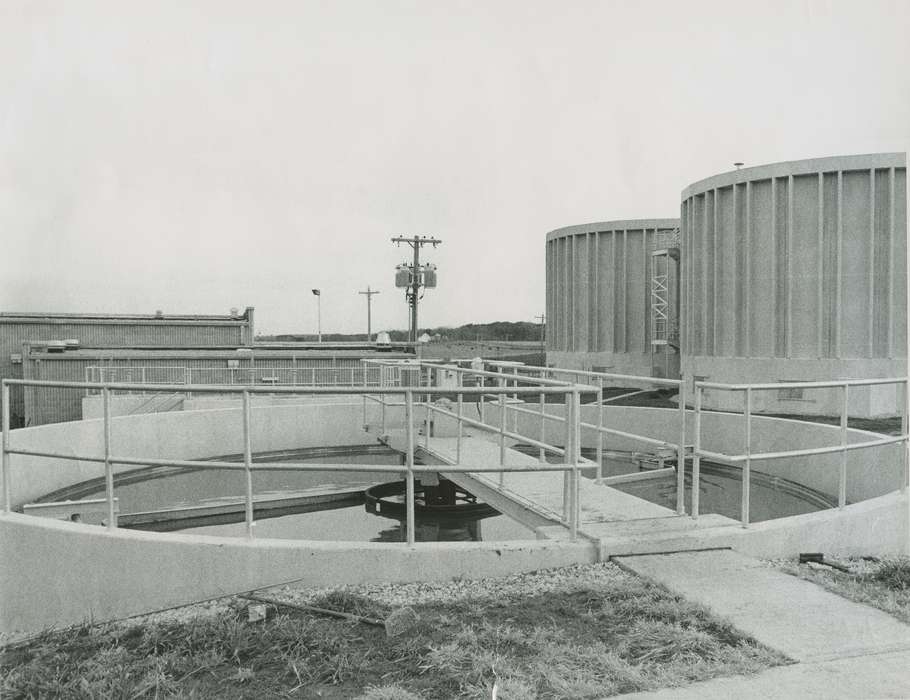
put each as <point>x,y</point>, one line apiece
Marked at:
<point>112,331</point>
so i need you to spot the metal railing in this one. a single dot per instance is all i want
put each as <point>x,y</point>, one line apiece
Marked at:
<point>410,395</point>
<point>747,457</point>
<point>305,375</point>
<point>450,381</point>
<point>599,381</point>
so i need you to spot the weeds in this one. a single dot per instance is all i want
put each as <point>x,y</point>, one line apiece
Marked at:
<point>584,643</point>
<point>883,584</point>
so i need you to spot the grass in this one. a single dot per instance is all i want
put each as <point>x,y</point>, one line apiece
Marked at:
<point>883,584</point>
<point>583,642</point>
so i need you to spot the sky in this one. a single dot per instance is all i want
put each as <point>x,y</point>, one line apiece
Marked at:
<point>197,156</point>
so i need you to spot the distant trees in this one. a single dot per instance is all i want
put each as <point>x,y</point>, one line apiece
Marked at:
<point>498,330</point>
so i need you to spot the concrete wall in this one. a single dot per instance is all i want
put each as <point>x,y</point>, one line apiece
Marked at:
<point>59,574</point>
<point>879,526</point>
<point>176,435</point>
<point>870,473</point>
<point>598,294</point>
<point>797,271</point>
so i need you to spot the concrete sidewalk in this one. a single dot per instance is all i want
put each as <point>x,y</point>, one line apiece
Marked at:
<point>858,677</point>
<point>793,616</point>
<point>845,649</point>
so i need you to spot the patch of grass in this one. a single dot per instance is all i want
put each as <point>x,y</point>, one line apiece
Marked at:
<point>580,642</point>
<point>894,574</point>
<point>883,584</point>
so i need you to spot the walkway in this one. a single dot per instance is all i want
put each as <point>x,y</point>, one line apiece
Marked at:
<point>876,676</point>
<point>543,489</point>
<point>845,649</point>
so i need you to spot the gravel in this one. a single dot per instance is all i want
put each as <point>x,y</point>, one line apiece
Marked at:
<point>517,585</point>
<point>564,580</point>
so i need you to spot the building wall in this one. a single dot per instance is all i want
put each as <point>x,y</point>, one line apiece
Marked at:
<point>598,294</point>
<point>43,405</point>
<point>106,330</point>
<point>797,271</point>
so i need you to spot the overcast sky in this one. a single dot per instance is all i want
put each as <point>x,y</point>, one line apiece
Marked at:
<point>194,156</point>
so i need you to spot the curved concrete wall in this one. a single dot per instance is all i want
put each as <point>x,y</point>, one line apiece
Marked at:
<point>59,574</point>
<point>67,566</point>
<point>872,472</point>
<point>178,435</point>
<point>598,294</point>
<point>797,271</point>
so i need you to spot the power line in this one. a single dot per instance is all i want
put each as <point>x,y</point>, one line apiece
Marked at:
<point>417,277</point>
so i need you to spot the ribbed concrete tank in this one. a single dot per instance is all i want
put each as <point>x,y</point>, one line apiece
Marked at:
<point>598,294</point>
<point>797,271</point>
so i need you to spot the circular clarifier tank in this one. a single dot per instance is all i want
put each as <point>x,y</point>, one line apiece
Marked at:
<point>598,302</point>
<point>796,271</point>
<point>298,504</point>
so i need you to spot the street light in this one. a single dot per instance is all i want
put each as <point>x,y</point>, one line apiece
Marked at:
<point>318,294</point>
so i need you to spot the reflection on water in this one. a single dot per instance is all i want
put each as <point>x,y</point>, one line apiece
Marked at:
<point>335,522</point>
<point>720,489</point>
<point>720,492</point>
<point>452,530</point>
<point>354,524</point>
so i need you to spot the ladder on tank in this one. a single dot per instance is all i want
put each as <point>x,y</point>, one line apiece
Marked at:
<point>665,301</point>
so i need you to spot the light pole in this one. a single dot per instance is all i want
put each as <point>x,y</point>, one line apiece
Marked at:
<point>318,294</point>
<point>369,295</point>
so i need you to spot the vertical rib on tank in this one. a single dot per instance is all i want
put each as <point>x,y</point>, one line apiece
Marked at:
<point>598,294</point>
<point>797,271</point>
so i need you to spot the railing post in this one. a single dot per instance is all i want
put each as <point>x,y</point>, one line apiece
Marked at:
<point>747,470</point>
<point>905,424</point>
<point>5,450</point>
<point>458,441</point>
<point>681,453</point>
<point>108,467</point>
<point>409,477</point>
<point>696,447</point>
<point>543,428</point>
<point>248,463</point>
<point>364,391</point>
<point>567,458</point>
<point>600,425</point>
<point>515,414</point>
<point>576,456</point>
<point>502,429</point>
<point>842,481</point>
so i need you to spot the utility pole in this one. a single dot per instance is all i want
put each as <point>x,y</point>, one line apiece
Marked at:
<point>417,242</point>
<point>369,294</point>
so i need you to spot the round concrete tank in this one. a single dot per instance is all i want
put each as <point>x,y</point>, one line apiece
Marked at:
<point>599,294</point>
<point>797,271</point>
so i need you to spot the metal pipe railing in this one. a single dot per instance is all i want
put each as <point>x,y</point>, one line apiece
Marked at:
<point>507,385</point>
<point>409,463</point>
<point>108,465</point>
<point>748,456</point>
<point>248,462</point>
